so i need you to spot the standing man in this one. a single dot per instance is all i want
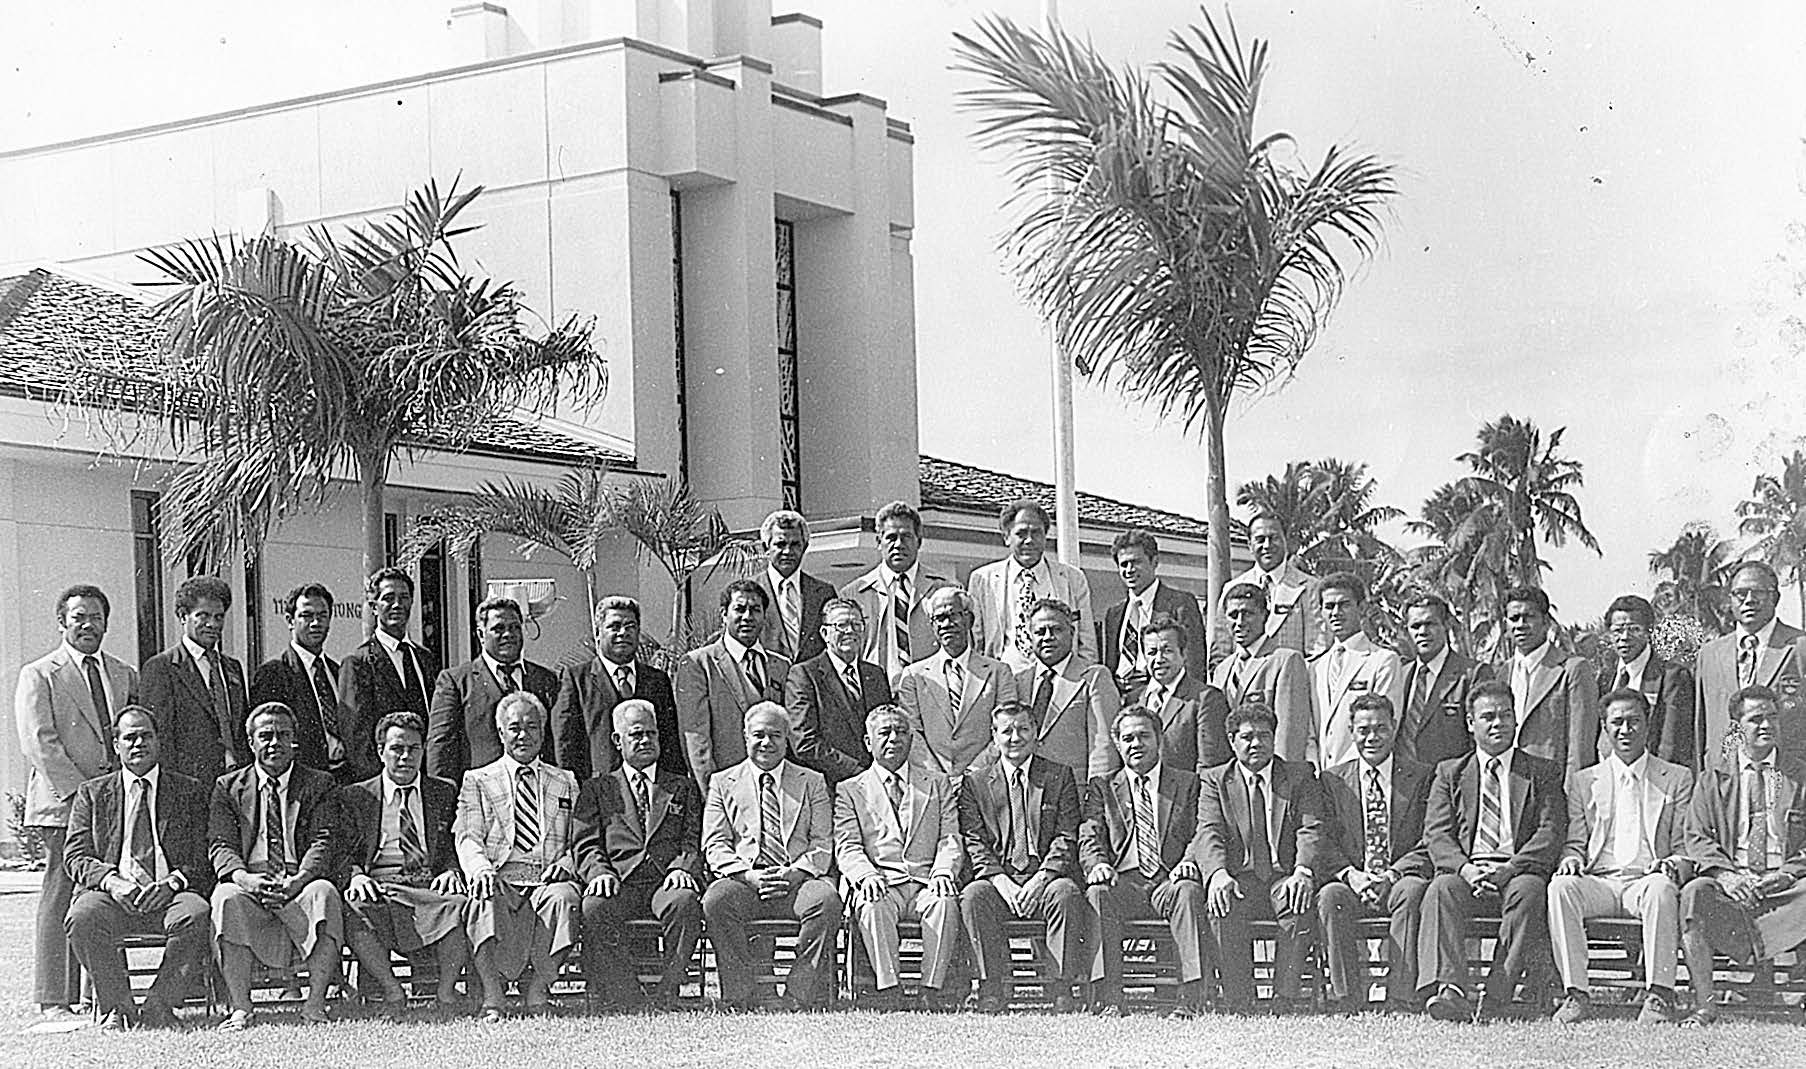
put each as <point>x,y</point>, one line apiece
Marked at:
<point>1557,696</point>
<point>768,835</point>
<point>1191,711</point>
<point>387,673</point>
<point>1762,651</point>
<point>196,692</point>
<point>1667,687</point>
<point>894,595</point>
<point>1292,620</point>
<point>1352,666</point>
<point>1374,805</point>
<point>1137,556</point>
<point>1004,593</point>
<point>1140,849</point>
<point>63,713</point>
<point>793,626</point>
<point>583,731</point>
<point>1259,670</point>
<point>1627,819</point>
<point>1495,825</point>
<point>639,839</point>
<point>949,697</point>
<point>1434,725</point>
<point>460,724</point>
<point>1073,700</point>
<point>718,683</point>
<point>1019,820</point>
<point>138,851</point>
<point>896,838</point>
<point>304,679</point>
<point>829,695</point>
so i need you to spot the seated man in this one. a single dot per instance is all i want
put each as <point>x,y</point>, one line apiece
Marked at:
<point>762,871</point>
<point>270,829</point>
<point>514,843</point>
<point>403,891</point>
<point>137,854</point>
<point>896,836</point>
<point>1627,817</point>
<point>1019,819</point>
<point>1140,852</point>
<point>639,840</point>
<point>1746,834</point>
<point>1494,828</point>
<point>1260,829</point>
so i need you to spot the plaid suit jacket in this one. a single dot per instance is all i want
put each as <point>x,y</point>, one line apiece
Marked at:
<point>485,824</point>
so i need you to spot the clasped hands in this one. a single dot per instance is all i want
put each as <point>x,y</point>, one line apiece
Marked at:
<point>270,890</point>
<point>873,887</point>
<point>1024,899</point>
<point>142,898</point>
<point>1748,889</point>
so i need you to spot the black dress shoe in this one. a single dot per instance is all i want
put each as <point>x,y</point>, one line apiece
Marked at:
<point>154,1014</point>
<point>1450,1003</point>
<point>990,1004</point>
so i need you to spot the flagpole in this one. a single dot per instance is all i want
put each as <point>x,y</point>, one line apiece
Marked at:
<point>1066,505</point>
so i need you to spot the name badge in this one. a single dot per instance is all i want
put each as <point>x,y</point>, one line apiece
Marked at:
<point>1360,684</point>
<point>564,803</point>
<point>1451,709</point>
<point>1282,609</point>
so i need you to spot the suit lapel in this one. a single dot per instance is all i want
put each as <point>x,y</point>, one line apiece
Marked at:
<point>1125,808</point>
<point>1520,795</point>
<point>1773,657</point>
<point>661,804</point>
<point>1542,681</point>
<point>1470,787</point>
<point>1280,802</point>
<point>730,668</point>
<point>1163,807</point>
<point>1240,802</point>
<point>75,682</point>
<point>791,798</point>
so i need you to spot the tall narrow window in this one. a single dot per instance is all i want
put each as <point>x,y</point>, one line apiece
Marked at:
<point>790,440</point>
<point>677,328</point>
<point>478,591</point>
<point>254,609</point>
<point>147,579</point>
<point>391,539</point>
<point>431,602</point>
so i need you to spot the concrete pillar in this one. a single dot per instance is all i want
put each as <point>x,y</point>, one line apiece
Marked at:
<point>796,52</point>
<point>478,31</point>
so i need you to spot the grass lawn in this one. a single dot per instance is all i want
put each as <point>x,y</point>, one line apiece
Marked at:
<point>869,1039</point>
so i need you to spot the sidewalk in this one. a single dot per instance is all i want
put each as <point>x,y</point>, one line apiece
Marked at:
<point>20,881</point>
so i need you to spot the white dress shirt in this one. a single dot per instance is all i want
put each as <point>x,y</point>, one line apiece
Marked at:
<point>201,663</point>
<point>260,854</point>
<point>1627,849</point>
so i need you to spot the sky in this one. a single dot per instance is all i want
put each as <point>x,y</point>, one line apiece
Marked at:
<point>1601,226</point>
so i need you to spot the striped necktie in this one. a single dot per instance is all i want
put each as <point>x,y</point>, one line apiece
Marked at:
<point>1490,834</point>
<point>850,676</point>
<point>792,600</point>
<point>956,686</point>
<point>771,824</point>
<point>413,851</point>
<point>274,842</point>
<point>1147,838</point>
<point>899,619</point>
<point>526,810</point>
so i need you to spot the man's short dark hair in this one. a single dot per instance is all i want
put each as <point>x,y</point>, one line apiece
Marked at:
<point>1133,711</point>
<point>899,510</point>
<point>1057,607</point>
<point>1137,538</point>
<point>1371,700</point>
<point>1431,601</point>
<point>305,590</point>
<point>269,709</point>
<point>1527,595</point>
<point>1250,712</point>
<point>1767,570</point>
<point>1347,582</point>
<point>1162,621</point>
<point>82,590</point>
<point>374,585</point>
<point>1639,609</point>
<point>1624,694</point>
<point>1245,592</point>
<point>1755,692</point>
<point>1007,515</point>
<point>138,711</point>
<point>1490,688</point>
<point>404,719</point>
<point>497,603</point>
<point>195,588</point>
<point>747,587</point>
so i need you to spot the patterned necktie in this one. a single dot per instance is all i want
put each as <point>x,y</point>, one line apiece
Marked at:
<point>642,800</point>
<point>413,851</point>
<point>510,683</point>
<point>893,786</point>
<point>1147,839</point>
<point>222,705</point>
<point>1025,607</point>
<point>1260,841</point>
<point>1154,701</point>
<point>623,683</point>
<point>1420,689</point>
<point>1019,851</point>
<point>956,685</point>
<point>1043,694</point>
<point>771,824</point>
<point>793,616</point>
<point>410,674</point>
<point>526,810</point>
<point>1755,793</point>
<point>850,676</point>
<point>1746,660</point>
<point>899,622</point>
<point>144,836</point>
<point>755,671</point>
<point>274,842</point>
<point>1129,657</point>
<point>325,697</point>
<point>1490,834</point>
<point>1623,679</point>
<point>1379,830</point>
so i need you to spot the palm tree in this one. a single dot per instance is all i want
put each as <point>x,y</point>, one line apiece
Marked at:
<point>1289,498</point>
<point>1530,485</point>
<point>1467,559</point>
<point>673,529</point>
<point>1775,515</point>
<point>1173,249</point>
<point>1691,573</point>
<point>288,362</point>
<point>1326,509</point>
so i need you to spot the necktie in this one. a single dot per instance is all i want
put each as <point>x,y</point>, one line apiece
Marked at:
<point>1490,834</point>
<point>1623,679</point>
<point>899,621</point>
<point>1019,851</point>
<point>325,697</point>
<point>771,824</point>
<point>1025,606</point>
<point>1338,662</point>
<point>410,675</point>
<point>510,683</point>
<point>1379,831</point>
<point>96,689</point>
<point>413,851</point>
<point>1155,699</point>
<point>144,841</point>
<point>222,706</point>
<point>526,810</point>
<point>1129,658</point>
<point>273,817</point>
<point>956,686</point>
<point>893,786</point>
<point>850,676</point>
<point>793,616</point>
<point>755,671</point>
<point>1043,694</point>
<point>1746,660</point>
<point>1756,804</point>
<point>1147,839</point>
<point>623,682</point>
<point>1260,842</point>
<point>642,797</point>
<point>1420,688</point>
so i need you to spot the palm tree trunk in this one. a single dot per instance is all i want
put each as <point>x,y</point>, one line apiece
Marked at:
<point>1528,573</point>
<point>372,478</point>
<point>1216,495</point>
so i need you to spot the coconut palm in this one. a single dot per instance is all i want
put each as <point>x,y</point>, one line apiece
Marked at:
<point>1326,509</point>
<point>1467,559</point>
<point>673,529</point>
<point>1692,576</point>
<point>1530,485</point>
<point>1289,498</point>
<point>1175,250</point>
<point>1775,516</point>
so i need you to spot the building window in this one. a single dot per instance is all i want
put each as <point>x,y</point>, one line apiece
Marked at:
<point>478,591</point>
<point>253,609</point>
<point>677,333</point>
<point>431,602</point>
<point>790,439</point>
<point>391,539</point>
<point>147,581</point>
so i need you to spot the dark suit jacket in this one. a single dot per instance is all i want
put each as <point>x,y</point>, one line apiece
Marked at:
<point>827,732</point>
<point>234,821</point>
<point>583,726</point>
<point>1170,601</point>
<point>1192,725</point>
<point>1054,810</point>
<point>97,830</point>
<point>1109,827</point>
<point>1345,816</point>
<point>361,824</point>
<point>370,689</point>
<point>1670,690</point>
<point>1539,814</point>
<point>1713,824</point>
<point>189,734</point>
<point>816,594</point>
<point>608,828</point>
<point>283,679</point>
<point>1435,731</point>
<point>1223,830</point>
<point>460,726</point>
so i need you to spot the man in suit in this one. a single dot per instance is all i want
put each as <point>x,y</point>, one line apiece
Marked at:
<point>1762,651</point>
<point>401,885</point>
<point>460,723</point>
<point>639,839</point>
<point>1374,810</point>
<point>1668,687</point>
<point>138,851</point>
<point>1019,820</point>
<point>1005,593</point>
<point>270,832</point>
<point>894,594</point>
<point>829,695</point>
<point>1627,816</point>
<point>583,735</point>
<point>1293,619</point>
<point>1433,727</point>
<point>63,712</point>
<point>1351,666</point>
<point>1494,828</point>
<point>386,674</point>
<point>198,693</point>
<point>950,696</point>
<point>1191,711</point>
<point>793,624</point>
<point>1261,843</point>
<point>1074,700</point>
<point>1137,556</point>
<point>1140,851</point>
<point>304,679</point>
<point>1557,695</point>
<point>1262,670</point>
<point>519,857</point>
<point>897,840</point>
<point>768,836</point>
<point>1746,836</point>
<point>719,682</point>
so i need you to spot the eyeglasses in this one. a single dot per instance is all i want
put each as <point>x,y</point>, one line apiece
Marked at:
<point>845,628</point>
<point>1758,593</point>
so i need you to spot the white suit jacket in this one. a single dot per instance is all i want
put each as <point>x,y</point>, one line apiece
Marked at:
<point>994,616</point>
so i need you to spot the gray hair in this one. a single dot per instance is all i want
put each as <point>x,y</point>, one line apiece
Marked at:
<point>632,705</point>
<point>786,520</point>
<point>763,708</point>
<point>513,700</point>
<point>886,712</point>
<point>961,600</point>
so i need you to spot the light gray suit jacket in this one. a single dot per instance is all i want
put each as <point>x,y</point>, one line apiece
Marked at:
<point>1666,800</point>
<point>713,695</point>
<point>64,738</point>
<point>916,842</point>
<point>994,618</point>
<point>949,740</point>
